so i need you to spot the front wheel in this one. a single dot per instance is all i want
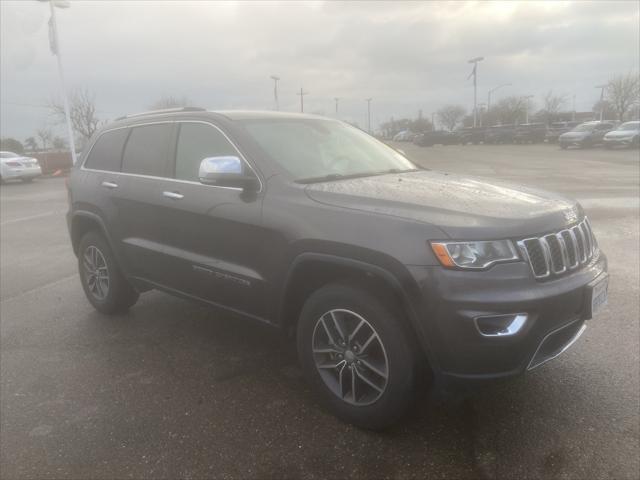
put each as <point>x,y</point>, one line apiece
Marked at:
<point>104,284</point>
<point>355,353</point>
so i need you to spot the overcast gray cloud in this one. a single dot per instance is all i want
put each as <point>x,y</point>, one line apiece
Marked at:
<point>407,56</point>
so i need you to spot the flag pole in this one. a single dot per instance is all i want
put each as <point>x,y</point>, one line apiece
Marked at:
<point>55,49</point>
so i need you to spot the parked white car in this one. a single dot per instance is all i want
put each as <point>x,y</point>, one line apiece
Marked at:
<point>403,136</point>
<point>17,167</point>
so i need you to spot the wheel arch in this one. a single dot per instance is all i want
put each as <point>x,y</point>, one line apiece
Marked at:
<point>310,271</point>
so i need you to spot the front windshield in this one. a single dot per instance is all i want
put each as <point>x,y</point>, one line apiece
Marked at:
<point>584,128</point>
<point>630,126</point>
<point>312,149</point>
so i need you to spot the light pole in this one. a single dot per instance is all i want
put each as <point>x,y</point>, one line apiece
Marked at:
<point>275,90</point>
<point>493,90</point>
<point>433,121</point>
<point>481,105</point>
<point>474,72</point>
<point>602,87</point>
<point>54,45</point>
<point>527,108</point>
<point>302,93</point>
<point>337,100</point>
<point>573,113</point>
<point>368,100</point>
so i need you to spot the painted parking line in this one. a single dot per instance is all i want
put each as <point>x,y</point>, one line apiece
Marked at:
<point>30,217</point>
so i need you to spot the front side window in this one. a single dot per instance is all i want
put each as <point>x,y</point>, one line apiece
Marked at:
<point>313,149</point>
<point>197,141</point>
<point>146,151</point>
<point>106,153</point>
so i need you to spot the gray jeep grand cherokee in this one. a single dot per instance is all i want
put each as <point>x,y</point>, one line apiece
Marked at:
<point>384,271</point>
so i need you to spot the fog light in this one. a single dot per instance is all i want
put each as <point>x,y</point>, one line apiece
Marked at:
<point>500,325</point>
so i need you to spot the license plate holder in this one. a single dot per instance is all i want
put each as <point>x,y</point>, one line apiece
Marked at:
<point>597,296</point>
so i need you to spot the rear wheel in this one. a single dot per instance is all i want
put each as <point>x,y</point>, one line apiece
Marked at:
<point>356,355</point>
<point>104,284</point>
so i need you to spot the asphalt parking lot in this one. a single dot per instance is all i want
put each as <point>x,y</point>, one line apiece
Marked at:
<point>176,390</point>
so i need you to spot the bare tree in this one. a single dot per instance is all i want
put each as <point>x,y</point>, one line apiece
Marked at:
<point>170,102</point>
<point>45,136</point>
<point>450,115</point>
<point>552,107</point>
<point>82,109</point>
<point>623,92</point>
<point>510,109</point>
<point>30,144</point>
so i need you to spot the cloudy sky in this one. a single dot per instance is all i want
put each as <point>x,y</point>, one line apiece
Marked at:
<point>407,56</point>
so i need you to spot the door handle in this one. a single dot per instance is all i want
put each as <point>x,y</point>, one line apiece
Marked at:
<point>109,185</point>
<point>173,195</point>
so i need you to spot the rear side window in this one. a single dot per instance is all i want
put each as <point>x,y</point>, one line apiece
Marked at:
<point>106,153</point>
<point>146,151</point>
<point>196,142</point>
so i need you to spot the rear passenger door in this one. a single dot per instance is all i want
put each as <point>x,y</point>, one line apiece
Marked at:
<point>146,161</point>
<point>212,234</point>
<point>102,182</point>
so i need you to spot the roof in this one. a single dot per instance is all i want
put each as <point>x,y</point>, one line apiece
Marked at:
<point>262,114</point>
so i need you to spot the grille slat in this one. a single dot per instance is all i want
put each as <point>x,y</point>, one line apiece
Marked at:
<point>556,253</point>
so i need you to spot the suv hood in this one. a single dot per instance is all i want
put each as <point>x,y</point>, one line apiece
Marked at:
<point>462,207</point>
<point>574,135</point>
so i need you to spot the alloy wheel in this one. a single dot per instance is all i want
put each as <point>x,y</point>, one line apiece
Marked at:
<point>350,357</point>
<point>96,272</point>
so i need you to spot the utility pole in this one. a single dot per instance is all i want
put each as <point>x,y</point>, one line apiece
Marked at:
<point>368,100</point>
<point>474,72</point>
<point>493,90</point>
<point>54,44</point>
<point>527,108</point>
<point>602,87</point>
<point>337,100</point>
<point>573,113</point>
<point>433,121</point>
<point>275,90</point>
<point>302,93</point>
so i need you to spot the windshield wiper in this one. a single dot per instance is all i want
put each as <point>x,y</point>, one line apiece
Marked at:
<point>337,176</point>
<point>333,176</point>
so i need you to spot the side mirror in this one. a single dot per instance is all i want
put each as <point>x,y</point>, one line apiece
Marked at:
<point>226,171</point>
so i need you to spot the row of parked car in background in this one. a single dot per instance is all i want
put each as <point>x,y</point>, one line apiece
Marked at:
<point>567,134</point>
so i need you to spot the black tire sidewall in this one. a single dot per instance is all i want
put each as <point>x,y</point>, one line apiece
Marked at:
<point>398,395</point>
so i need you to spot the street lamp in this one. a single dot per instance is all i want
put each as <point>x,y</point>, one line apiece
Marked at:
<point>54,45</point>
<point>302,93</point>
<point>474,72</point>
<point>493,90</point>
<point>602,87</point>
<point>275,90</point>
<point>337,100</point>
<point>368,100</point>
<point>527,108</point>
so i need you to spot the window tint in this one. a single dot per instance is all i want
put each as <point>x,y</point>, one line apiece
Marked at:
<point>146,150</point>
<point>196,142</point>
<point>106,154</point>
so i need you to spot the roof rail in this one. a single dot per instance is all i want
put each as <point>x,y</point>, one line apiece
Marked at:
<point>165,110</point>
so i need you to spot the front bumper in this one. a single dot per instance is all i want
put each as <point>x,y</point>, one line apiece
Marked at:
<point>576,141</point>
<point>19,173</point>
<point>452,301</point>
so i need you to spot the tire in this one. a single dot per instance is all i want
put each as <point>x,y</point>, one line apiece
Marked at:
<point>391,351</point>
<point>115,295</point>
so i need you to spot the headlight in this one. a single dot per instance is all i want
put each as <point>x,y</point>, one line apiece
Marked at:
<point>474,255</point>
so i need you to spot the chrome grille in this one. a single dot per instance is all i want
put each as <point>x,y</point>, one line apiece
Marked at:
<point>556,253</point>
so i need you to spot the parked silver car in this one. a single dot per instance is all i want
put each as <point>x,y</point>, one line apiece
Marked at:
<point>626,135</point>
<point>17,167</point>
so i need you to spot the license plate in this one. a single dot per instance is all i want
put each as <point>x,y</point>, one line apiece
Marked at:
<point>599,295</point>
